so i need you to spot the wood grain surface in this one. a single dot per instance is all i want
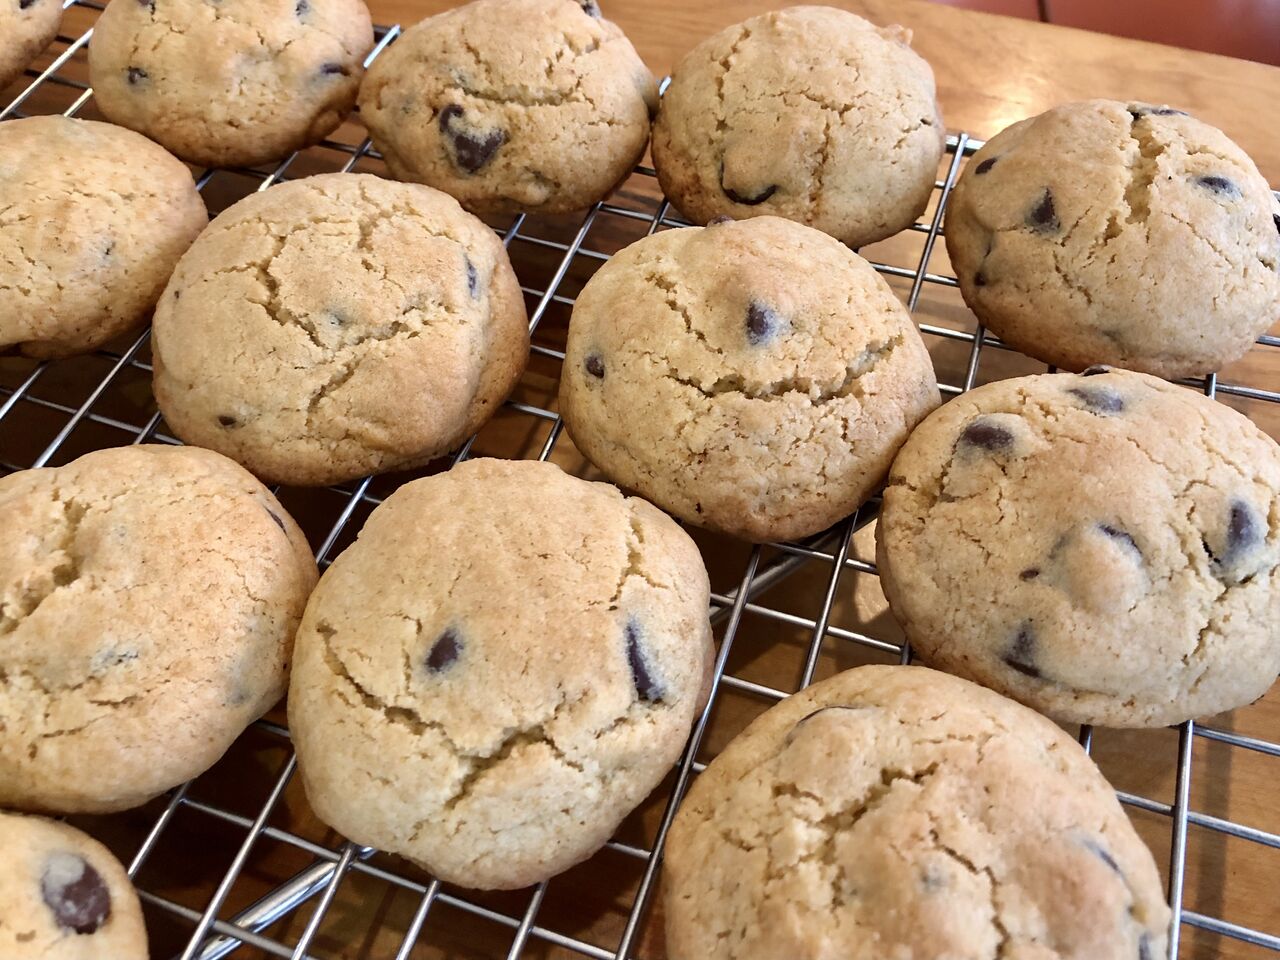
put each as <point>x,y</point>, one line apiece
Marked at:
<point>991,71</point>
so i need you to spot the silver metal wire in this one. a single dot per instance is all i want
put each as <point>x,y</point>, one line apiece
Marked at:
<point>213,936</point>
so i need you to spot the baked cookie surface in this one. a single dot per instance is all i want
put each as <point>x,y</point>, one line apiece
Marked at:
<point>494,715</point>
<point>895,811</point>
<point>233,83</point>
<point>512,105</point>
<point>338,325</point>
<point>147,608</point>
<point>754,377</point>
<point>63,896</point>
<point>93,219</point>
<point>809,113</point>
<point>27,27</point>
<point>1103,547</point>
<point>1127,234</point>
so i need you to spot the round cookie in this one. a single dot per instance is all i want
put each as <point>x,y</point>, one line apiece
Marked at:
<point>63,896</point>
<point>233,83</point>
<point>899,812</point>
<point>512,105</point>
<point>754,377</point>
<point>27,27</point>
<point>1105,232</point>
<point>495,716</point>
<point>337,326</point>
<point>148,600</point>
<point>809,113</point>
<point>1103,547</point>
<point>92,220</point>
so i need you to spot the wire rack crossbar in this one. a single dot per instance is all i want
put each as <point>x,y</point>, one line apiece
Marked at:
<point>213,936</point>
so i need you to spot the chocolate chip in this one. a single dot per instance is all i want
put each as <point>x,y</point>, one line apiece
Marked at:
<point>226,421</point>
<point>136,75</point>
<point>763,323</point>
<point>1099,399</point>
<point>177,294</point>
<point>746,200</point>
<point>1094,370</point>
<point>279,522</point>
<point>1101,852</point>
<point>1021,655</point>
<point>1144,947</point>
<point>469,151</point>
<point>985,165</point>
<point>1219,185</point>
<point>721,218</point>
<point>985,435</point>
<point>1169,112</point>
<point>595,365</point>
<point>75,892</point>
<point>333,70</point>
<point>1275,218</point>
<point>444,651</point>
<point>647,686</point>
<point>979,279</point>
<point>1120,536</point>
<point>590,8</point>
<point>302,8</point>
<point>149,5</point>
<point>473,279</point>
<point>1244,532</point>
<point>1029,574</point>
<point>1043,218</point>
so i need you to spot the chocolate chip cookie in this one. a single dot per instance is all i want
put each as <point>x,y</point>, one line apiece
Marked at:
<point>512,105</point>
<point>502,666</point>
<point>63,896</point>
<point>1120,233</point>
<point>148,598</point>
<point>26,28</point>
<point>93,219</point>
<point>754,377</point>
<point>232,83</point>
<point>809,113</point>
<point>899,812</point>
<point>337,326</point>
<point>1104,547</point>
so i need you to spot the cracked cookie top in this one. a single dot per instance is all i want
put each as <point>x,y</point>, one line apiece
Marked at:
<point>501,667</point>
<point>809,113</point>
<point>754,377</point>
<point>63,896</point>
<point>336,326</point>
<point>512,105</point>
<point>231,83</point>
<point>1103,547</point>
<point>895,811</point>
<point>26,28</point>
<point>1130,234</point>
<point>148,598</point>
<point>93,219</point>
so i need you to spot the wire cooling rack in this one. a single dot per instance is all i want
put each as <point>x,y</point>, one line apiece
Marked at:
<point>234,864</point>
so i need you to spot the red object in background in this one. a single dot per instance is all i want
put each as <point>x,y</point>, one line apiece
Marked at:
<point>1249,29</point>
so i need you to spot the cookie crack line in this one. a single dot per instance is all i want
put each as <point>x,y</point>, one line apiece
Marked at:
<point>993,885</point>
<point>66,572</point>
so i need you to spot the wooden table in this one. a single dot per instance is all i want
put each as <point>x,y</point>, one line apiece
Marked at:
<point>991,71</point>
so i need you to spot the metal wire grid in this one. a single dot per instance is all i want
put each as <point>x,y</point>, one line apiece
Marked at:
<point>765,567</point>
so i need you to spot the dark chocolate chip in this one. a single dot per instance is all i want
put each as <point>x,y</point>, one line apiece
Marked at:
<point>590,8</point>
<point>1169,112</point>
<point>1021,655</point>
<point>1275,218</point>
<point>1094,370</point>
<point>279,522</point>
<point>1043,217</point>
<point>747,200</point>
<point>721,218</point>
<point>444,651</point>
<point>985,435</point>
<point>595,365</point>
<point>1219,185</point>
<point>75,892</point>
<point>473,279</point>
<point>1244,532</point>
<point>647,686</point>
<point>834,706</point>
<point>1103,854</point>
<point>763,323</point>
<point>333,70</point>
<point>136,75</point>
<point>303,8</point>
<point>226,421</point>
<point>1029,574</point>
<point>979,279</point>
<point>1144,947</point>
<point>985,165</point>
<point>469,151</point>
<point>1120,536</point>
<point>149,4</point>
<point>1099,399</point>
<point>177,294</point>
